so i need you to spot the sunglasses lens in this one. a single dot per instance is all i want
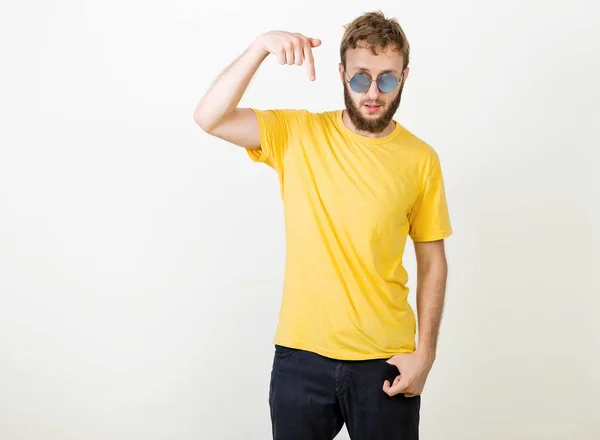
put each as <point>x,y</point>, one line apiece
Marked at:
<point>360,83</point>
<point>387,82</point>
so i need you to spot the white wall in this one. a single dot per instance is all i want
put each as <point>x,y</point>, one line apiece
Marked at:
<point>141,260</point>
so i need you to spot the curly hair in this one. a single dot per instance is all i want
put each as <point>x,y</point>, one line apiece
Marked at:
<point>373,30</point>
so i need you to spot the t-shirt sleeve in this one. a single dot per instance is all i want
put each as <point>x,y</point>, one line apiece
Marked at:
<point>429,218</point>
<point>276,128</point>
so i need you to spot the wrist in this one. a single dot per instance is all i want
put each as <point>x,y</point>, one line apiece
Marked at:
<point>258,47</point>
<point>425,352</point>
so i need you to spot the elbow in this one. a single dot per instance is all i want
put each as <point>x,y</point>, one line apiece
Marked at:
<point>204,119</point>
<point>203,122</point>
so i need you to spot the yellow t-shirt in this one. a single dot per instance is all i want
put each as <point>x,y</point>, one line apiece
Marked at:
<point>349,203</point>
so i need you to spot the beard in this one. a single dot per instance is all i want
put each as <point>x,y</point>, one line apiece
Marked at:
<point>371,125</point>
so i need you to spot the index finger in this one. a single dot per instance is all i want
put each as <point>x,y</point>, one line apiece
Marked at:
<point>396,388</point>
<point>310,60</point>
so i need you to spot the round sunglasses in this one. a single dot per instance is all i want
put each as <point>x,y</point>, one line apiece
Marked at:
<point>386,82</point>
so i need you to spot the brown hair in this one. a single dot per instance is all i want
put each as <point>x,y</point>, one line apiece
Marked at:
<point>375,31</point>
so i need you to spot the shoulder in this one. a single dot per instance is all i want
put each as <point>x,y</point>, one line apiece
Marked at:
<point>300,117</point>
<point>287,118</point>
<point>416,143</point>
<point>283,113</point>
<point>423,153</point>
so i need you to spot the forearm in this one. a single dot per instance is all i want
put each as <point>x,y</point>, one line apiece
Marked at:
<point>226,92</point>
<point>431,290</point>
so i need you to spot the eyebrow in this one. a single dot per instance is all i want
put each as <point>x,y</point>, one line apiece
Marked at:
<point>364,69</point>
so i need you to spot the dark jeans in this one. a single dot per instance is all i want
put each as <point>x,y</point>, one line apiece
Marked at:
<point>311,397</point>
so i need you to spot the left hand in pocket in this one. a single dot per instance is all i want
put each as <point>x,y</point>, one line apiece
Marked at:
<point>413,371</point>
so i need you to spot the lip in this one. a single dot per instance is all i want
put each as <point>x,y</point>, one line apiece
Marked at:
<point>372,109</point>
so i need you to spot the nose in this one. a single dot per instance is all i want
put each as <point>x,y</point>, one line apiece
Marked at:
<point>373,92</point>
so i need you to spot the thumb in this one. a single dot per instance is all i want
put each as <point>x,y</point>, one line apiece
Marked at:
<point>315,42</point>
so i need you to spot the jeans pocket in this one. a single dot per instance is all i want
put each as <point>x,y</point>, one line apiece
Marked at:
<point>391,368</point>
<point>284,352</point>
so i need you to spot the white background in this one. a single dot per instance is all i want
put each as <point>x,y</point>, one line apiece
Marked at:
<point>141,260</point>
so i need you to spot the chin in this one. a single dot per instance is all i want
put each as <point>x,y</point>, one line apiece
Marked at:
<point>370,122</point>
<point>373,118</point>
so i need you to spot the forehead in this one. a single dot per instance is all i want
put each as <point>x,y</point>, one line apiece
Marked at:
<point>364,59</point>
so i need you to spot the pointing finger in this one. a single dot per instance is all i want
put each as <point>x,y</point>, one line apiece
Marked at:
<point>310,61</point>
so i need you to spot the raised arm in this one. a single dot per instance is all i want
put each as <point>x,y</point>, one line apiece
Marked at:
<point>218,113</point>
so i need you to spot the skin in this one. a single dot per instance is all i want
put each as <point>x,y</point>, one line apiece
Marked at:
<point>218,114</point>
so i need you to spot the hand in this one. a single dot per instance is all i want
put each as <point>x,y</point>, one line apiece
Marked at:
<point>414,369</point>
<point>290,48</point>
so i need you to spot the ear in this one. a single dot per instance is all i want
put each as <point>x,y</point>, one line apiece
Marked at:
<point>405,74</point>
<point>341,69</point>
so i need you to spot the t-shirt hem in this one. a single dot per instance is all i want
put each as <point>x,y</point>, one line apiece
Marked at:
<point>340,355</point>
<point>431,237</point>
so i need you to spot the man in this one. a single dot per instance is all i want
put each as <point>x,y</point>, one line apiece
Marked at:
<point>354,183</point>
